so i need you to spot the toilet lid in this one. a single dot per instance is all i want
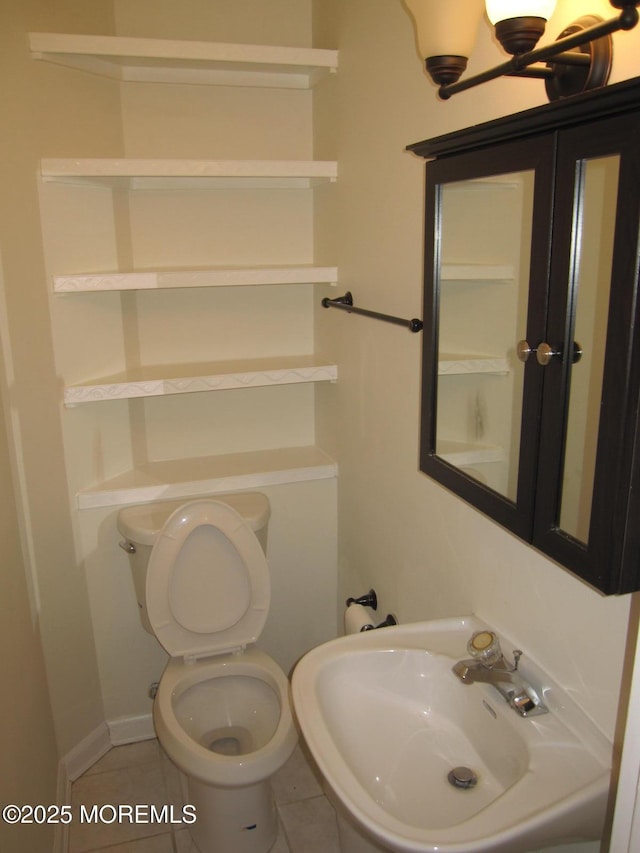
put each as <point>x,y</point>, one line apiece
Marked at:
<point>207,586</point>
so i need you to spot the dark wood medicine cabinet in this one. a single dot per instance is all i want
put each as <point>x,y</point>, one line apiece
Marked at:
<point>531,354</point>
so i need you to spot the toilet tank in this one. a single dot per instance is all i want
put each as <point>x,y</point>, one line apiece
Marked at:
<point>141,524</point>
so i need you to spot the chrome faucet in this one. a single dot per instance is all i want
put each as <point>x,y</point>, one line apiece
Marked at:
<point>487,665</point>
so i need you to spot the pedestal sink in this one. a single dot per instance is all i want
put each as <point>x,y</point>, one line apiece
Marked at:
<point>422,762</point>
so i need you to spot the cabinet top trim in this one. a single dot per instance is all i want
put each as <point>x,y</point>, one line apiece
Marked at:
<point>151,60</point>
<point>600,104</point>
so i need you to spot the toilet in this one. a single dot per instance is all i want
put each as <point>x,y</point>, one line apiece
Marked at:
<point>222,712</point>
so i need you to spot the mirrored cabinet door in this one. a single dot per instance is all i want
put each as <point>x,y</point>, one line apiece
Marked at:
<point>592,256</point>
<point>587,464</point>
<point>485,259</point>
<point>531,355</point>
<point>483,279</point>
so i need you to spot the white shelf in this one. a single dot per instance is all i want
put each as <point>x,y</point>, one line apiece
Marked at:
<point>160,381</point>
<point>461,364</point>
<point>459,453</point>
<point>213,277</point>
<point>189,478</point>
<point>196,63</point>
<point>468,273</point>
<point>134,173</point>
<point>192,62</point>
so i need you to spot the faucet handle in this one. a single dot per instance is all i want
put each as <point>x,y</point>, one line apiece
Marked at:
<point>485,646</point>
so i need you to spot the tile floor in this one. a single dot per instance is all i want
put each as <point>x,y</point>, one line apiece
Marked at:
<point>141,774</point>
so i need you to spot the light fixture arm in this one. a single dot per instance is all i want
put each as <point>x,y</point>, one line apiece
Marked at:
<point>561,52</point>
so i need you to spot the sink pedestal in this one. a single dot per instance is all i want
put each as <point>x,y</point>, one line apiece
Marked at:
<point>352,838</point>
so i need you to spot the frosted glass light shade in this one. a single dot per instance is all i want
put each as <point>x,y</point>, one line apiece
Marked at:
<point>519,23</point>
<point>446,27</point>
<point>502,10</point>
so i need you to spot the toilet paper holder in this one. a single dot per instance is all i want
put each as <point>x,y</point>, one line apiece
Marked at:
<point>370,599</point>
<point>389,620</point>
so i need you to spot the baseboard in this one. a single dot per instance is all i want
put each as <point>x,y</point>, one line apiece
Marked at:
<point>96,744</point>
<point>130,729</point>
<point>87,752</point>
<point>63,798</point>
<point>74,764</point>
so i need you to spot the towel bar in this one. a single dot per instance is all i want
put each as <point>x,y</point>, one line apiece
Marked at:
<point>346,304</point>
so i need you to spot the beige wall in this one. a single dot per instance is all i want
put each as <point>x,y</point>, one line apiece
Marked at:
<point>27,737</point>
<point>426,552</point>
<point>41,116</point>
<point>279,22</point>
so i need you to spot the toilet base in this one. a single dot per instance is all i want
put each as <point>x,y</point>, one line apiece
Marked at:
<point>232,820</point>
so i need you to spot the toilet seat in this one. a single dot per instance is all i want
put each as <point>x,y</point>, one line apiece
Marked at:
<point>194,759</point>
<point>207,600</point>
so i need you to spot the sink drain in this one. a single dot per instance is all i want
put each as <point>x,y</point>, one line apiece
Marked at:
<point>462,777</point>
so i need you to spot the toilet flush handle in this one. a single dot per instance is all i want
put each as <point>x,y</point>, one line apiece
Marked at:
<point>129,547</point>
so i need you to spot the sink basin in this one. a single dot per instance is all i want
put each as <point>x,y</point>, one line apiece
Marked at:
<point>387,722</point>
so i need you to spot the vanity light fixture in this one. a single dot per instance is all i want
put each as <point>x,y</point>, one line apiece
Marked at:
<point>519,23</point>
<point>579,59</point>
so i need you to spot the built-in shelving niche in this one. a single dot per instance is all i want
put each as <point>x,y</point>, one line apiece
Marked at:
<point>186,478</point>
<point>192,62</point>
<point>212,277</point>
<point>185,174</point>
<point>202,63</point>
<point>215,376</point>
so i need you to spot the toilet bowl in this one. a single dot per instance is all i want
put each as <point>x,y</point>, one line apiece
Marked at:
<point>222,710</point>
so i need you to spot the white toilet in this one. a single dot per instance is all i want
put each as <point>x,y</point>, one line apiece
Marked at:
<point>222,710</point>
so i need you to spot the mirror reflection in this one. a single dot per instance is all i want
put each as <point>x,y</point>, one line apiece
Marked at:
<point>593,231</point>
<point>483,282</point>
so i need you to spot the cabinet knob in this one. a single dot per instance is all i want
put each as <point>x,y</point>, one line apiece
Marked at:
<point>523,351</point>
<point>545,353</point>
